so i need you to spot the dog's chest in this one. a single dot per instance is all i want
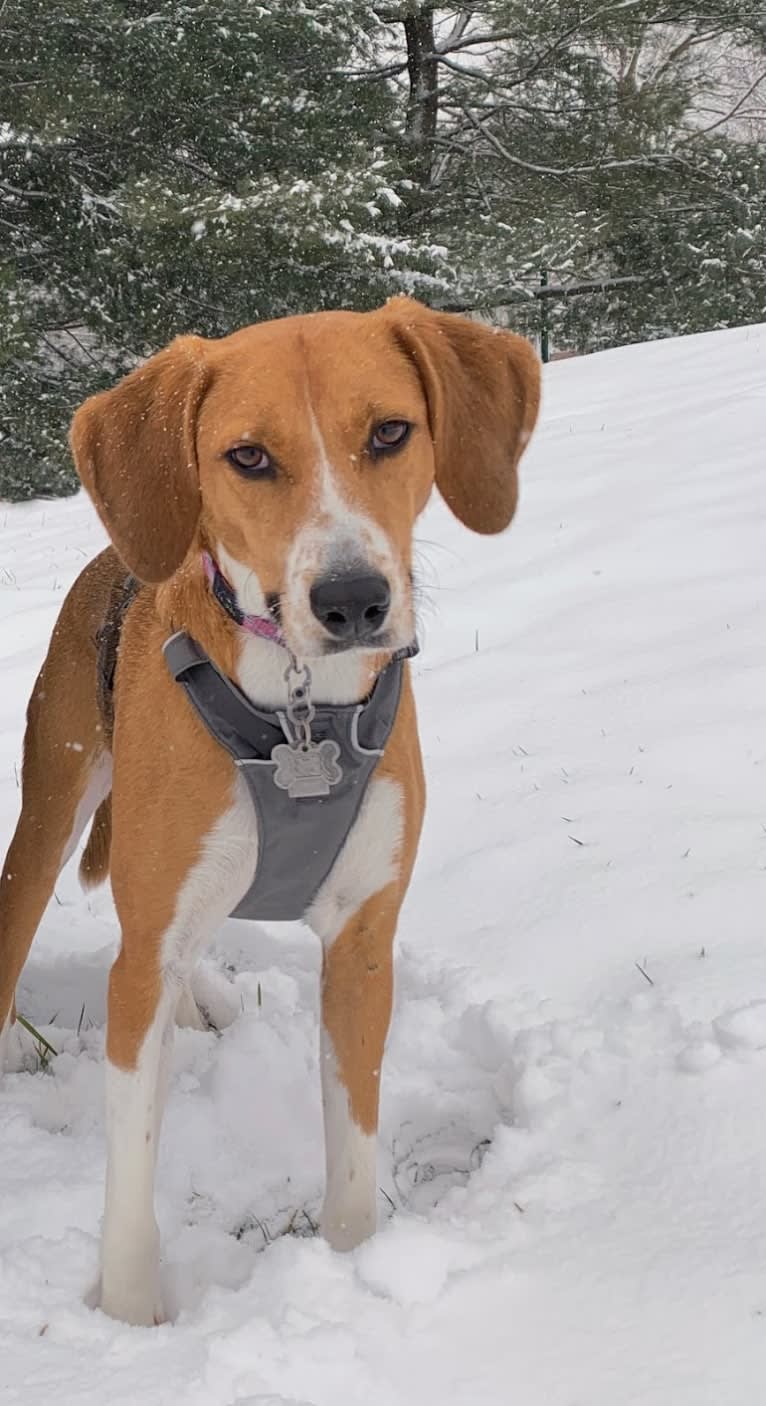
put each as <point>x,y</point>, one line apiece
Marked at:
<point>367,861</point>
<point>313,803</point>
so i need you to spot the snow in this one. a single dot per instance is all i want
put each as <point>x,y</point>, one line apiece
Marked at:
<point>573,1138</point>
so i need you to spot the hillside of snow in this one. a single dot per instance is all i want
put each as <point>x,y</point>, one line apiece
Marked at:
<point>573,1145</point>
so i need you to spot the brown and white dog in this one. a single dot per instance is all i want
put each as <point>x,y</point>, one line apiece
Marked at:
<point>298,453</point>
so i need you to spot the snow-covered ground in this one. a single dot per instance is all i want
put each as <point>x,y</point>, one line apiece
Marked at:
<point>574,1125</point>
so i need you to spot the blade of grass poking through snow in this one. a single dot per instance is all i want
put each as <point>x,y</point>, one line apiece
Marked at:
<point>41,1040</point>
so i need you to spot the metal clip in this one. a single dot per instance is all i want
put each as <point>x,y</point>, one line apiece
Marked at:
<point>304,768</point>
<point>300,710</point>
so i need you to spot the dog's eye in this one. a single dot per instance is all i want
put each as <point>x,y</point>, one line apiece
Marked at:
<point>251,460</point>
<point>391,434</point>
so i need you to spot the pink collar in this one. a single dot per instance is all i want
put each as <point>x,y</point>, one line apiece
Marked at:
<point>261,625</point>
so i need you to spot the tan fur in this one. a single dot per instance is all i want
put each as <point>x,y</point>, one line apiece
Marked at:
<point>472,394</point>
<point>152,454</point>
<point>357,973</point>
<point>483,394</point>
<point>171,794</point>
<point>63,710</point>
<point>135,453</point>
<point>94,864</point>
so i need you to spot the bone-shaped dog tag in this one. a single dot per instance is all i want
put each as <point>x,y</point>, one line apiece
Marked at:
<point>308,770</point>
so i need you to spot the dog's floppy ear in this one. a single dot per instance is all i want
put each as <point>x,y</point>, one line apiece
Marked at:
<point>134,449</point>
<point>482,387</point>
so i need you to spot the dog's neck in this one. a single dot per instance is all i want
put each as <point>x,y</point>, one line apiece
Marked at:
<point>338,678</point>
<point>257,665</point>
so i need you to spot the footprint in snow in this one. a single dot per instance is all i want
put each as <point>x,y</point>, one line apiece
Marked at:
<point>737,1032</point>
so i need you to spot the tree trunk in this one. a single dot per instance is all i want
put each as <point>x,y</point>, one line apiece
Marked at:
<point>423,100</point>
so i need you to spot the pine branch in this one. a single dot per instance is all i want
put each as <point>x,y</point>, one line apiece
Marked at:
<point>629,163</point>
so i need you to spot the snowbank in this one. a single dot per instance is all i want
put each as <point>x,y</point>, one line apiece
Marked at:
<point>573,1135</point>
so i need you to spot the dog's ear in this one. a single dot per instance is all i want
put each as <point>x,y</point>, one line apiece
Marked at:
<point>482,387</point>
<point>134,449</point>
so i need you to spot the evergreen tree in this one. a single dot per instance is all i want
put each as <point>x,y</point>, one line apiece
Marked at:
<point>570,138</point>
<point>180,165</point>
<point>195,165</point>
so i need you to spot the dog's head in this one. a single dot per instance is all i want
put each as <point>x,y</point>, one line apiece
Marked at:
<point>300,453</point>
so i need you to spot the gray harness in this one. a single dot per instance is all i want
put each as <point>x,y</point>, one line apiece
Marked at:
<point>300,836</point>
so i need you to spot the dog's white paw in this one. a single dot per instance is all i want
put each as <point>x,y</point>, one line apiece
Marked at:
<point>208,1002</point>
<point>345,1227</point>
<point>188,1014</point>
<point>133,1304</point>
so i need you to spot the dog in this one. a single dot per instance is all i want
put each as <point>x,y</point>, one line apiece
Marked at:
<point>260,492</point>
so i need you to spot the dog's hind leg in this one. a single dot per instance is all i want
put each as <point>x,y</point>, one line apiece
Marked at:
<point>60,793</point>
<point>66,774</point>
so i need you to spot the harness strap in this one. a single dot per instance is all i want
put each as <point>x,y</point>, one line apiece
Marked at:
<point>299,837</point>
<point>224,709</point>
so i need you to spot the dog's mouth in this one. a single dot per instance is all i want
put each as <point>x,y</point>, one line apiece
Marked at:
<point>315,646</point>
<point>377,644</point>
<point>387,642</point>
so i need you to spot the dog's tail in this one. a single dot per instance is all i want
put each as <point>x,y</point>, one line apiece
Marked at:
<point>94,865</point>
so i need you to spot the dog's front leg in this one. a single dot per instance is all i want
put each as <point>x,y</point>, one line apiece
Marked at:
<point>356,915</point>
<point>168,911</point>
<point>357,982</point>
<point>141,1009</point>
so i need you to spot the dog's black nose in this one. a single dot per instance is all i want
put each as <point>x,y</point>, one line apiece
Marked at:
<point>351,607</point>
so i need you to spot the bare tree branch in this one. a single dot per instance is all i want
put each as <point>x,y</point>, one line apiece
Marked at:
<point>691,41</point>
<point>24,194</point>
<point>694,136</point>
<point>462,21</point>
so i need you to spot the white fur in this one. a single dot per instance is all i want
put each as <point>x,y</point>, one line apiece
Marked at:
<point>335,535</point>
<point>336,678</point>
<point>349,1212</point>
<point>214,886</point>
<point>130,1287</point>
<point>97,788</point>
<point>250,594</point>
<point>366,863</point>
<point>130,1243</point>
<point>188,1014</point>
